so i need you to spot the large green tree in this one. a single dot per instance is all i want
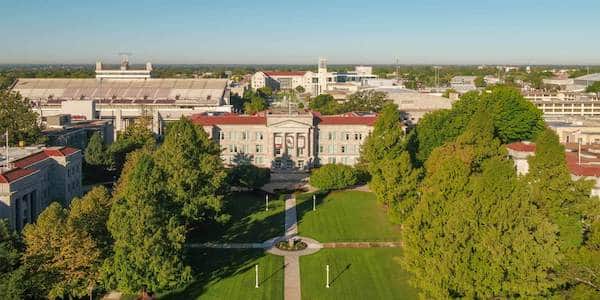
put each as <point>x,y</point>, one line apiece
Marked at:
<point>324,104</point>
<point>333,177</point>
<point>17,117</point>
<point>66,256</point>
<point>134,137</point>
<point>514,118</point>
<point>196,177</point>
<point>385,155</point>
<point>475,232</point>
<point>593,88</point>
<point>368,100</point>
<point>149,237</point>
<point>96,153</point>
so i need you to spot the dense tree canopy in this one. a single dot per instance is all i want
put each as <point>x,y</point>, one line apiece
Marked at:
<point>196,178</point>
<point>385,154</point>
<point>136,136</point>
<point>475,232</point>
<point>149,238</point>
<point>324,104</point>
<point>96,153</point>
<point>514,118</point>
<point>66,256</point>
<point>19,119</point>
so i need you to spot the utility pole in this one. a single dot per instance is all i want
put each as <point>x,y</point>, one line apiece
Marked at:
<point>6,158</point>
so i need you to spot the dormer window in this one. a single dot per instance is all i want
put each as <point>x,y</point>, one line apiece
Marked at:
<point>82,97</point>
<point>114,97</point>
<point>177,97</point>
<point>50,97</point>
<point>145,97</point>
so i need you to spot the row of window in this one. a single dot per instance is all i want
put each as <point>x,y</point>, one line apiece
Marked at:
<point>346,136</point>
<point>240,135</point>
<point>346,149</point>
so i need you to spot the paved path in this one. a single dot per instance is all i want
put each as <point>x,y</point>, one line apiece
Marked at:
<point>291,280</point>
<point>363,245</point>
<point>229,245</point>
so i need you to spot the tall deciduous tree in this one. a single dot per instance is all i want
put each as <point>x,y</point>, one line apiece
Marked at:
<point>67,257</point>
<point>385,154</point>
<point>149,237</point>
<point>324,104</point>
<point>134,137</point>
<point>196,177</point>
<point>19,119</point>
<point>475,232</point>
<point>96,153</point>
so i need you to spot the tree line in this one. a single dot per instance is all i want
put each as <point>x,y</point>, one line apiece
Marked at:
<point>473,228</point>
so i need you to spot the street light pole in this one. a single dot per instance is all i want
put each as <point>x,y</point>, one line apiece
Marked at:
<point>327,270</point>
<point>267,202</point>
<point>256,277</point>
<point>314,202</point>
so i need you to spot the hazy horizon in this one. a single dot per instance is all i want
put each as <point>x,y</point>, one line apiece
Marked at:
<point>232,32</point>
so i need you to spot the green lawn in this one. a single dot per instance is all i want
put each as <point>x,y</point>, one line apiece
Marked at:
<point>249,221</point>
<point>344,216</point>
<point>229,274</point>
<point>355,274</point>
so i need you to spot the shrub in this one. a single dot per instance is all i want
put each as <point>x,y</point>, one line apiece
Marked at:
<point>333,177</point>
<point>249,176</point>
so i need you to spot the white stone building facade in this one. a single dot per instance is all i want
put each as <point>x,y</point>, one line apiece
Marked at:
<point>29,183</point>
<point>288,142</point>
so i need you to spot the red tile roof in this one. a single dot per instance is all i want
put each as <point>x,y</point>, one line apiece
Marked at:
<point>64,151</point>
<point>229,119</point>
<point>347,119</point>
<point>583,169</point>
<point>284,73</point>
<point>521,147</point>
<point>15,174</point>
<point>30,160</point>
<point>43,155</point>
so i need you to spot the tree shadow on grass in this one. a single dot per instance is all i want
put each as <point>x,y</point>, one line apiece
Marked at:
<point>304,203</point>
<point>249,222</point>
<point>212,265</point>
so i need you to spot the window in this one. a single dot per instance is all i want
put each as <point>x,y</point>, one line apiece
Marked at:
<point>356,136</point>
<point>259,160</point>
<point>222,135</point>
<point>331,160</point>
<point>347,135</point>
<point>278,151</point>
<point>244,135</point>
<point>230,148</point>
<point>321,150</point>
<point>244,149</point>
<point>344,160</point>
<point>259,136</point>
<point>258,148</point>
<point>343,149</point>
<point>330,149</point>
<point>331,136</point>
<point>300,151</point>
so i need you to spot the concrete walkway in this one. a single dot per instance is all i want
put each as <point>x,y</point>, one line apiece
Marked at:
<point>291,280</point>
<point>363,245</point>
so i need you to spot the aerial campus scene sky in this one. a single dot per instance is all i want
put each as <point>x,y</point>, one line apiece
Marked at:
<point>297,32</point>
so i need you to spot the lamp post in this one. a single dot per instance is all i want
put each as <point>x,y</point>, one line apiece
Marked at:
<point>267,202</point>
<point>327,271</point>
<point>256,276</point>
<point>314,202</point>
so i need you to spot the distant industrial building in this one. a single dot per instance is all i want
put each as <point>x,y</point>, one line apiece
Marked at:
<point>31,178</point>
<point>554,104</point>
<point>463,84</point>
<point>587,80</point>
<point>124,94</point>
<point>313,83</point>
<point>414,105</point>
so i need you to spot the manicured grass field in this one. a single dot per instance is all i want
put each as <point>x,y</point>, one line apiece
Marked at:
<point>229,274</point>
<point>355,274</point>
<point>249,222</point>
<point>344,216</point>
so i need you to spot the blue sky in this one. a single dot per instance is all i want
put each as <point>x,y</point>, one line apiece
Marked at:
<point>227,31</point>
